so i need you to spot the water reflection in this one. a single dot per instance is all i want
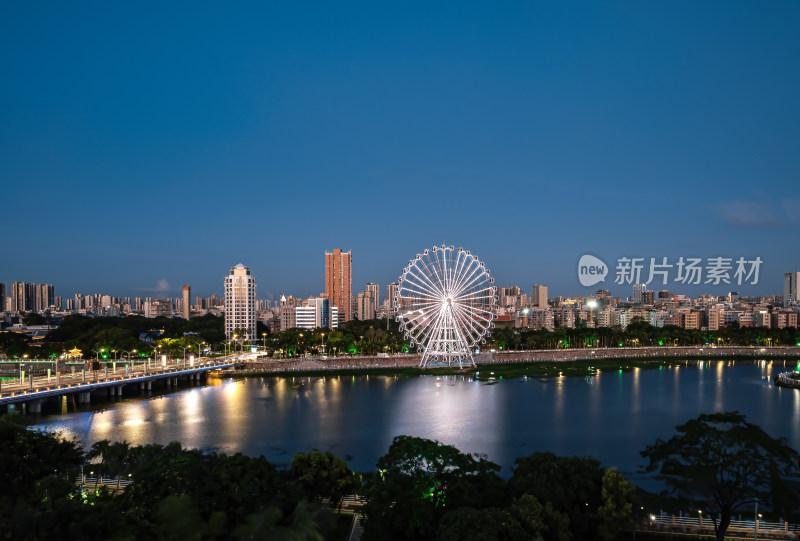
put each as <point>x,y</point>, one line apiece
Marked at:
<point>610,415</point>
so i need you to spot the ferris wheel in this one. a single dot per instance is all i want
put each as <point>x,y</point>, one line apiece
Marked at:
<point>445,304</point>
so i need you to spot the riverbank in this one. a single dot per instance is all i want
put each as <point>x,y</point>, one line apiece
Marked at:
<point>518,369</point>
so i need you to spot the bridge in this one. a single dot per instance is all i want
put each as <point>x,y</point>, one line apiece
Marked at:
<point>32,391</point>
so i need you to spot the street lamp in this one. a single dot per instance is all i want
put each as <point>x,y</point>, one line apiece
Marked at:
<point>525,313</point>
<point>264,340</point>
<point>129,356</point>
<point>323,343</point>
<point>592,304</point>
<point>184,354</point>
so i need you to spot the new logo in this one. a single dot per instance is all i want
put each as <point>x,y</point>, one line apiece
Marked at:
<point>591,270</point>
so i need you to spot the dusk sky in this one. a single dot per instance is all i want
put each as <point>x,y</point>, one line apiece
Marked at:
<point>150,143</point>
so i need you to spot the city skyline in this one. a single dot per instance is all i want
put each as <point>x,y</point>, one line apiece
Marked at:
<point>623,290</point>
<point>529,135</point>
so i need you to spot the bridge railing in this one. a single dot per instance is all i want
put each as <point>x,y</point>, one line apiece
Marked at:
<point>103,481</point>
<point>706,522</point>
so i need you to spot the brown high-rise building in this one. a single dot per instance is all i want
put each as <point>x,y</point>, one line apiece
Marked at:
<point>187,304</point>
<point>339,281</point>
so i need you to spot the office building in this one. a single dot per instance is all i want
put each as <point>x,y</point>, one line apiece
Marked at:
<point>240,303</point>
<point>3,296</point>
<point>339,281</point>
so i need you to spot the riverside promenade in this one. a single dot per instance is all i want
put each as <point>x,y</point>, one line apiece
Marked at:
<point>368,362</point>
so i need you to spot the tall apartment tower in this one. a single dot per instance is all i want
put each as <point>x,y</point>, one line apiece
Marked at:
<point>339,281</point>
<point>790,282</point>
<point>375,291</point>
<point>187,302</point>
<point>365,304</point>
<point>638,293</point>
<point>3,296</point>
<point>240,303</point>
<point>539,296</point>
<point>391,291</point>
<point>22,297</point>
<point>44,297</point>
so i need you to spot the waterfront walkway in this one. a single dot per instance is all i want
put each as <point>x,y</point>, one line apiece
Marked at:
<point>365,362</point>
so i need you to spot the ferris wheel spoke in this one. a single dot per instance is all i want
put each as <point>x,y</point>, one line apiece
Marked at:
<point>476,278</point>
<point>469,321</point>
<point>456,271</point>
<point>424,278</point>
<point>471,271</point>
<point>418,294</point>
<point>424,284</point>
<point>482,310</point>
<point>477,326</point>
<point>461,268</point>
<point>476,296</point>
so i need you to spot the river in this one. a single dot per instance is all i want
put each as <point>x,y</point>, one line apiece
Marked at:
<point>611,416</point>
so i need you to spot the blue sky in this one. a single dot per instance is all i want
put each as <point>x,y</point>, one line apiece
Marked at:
<point>145,144</point>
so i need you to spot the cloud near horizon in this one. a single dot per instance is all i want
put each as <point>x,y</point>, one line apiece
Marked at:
<point>759,213</point>
<point>162,286</point>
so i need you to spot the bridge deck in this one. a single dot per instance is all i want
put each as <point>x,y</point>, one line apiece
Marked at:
<point>80,382</point>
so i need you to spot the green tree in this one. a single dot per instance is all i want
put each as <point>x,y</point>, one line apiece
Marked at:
<point>616,512</point>
<point>572,485</point>
<point>323,474</point>
<point>720,461</point>
<point>540,521</point>
<point>418,480</point>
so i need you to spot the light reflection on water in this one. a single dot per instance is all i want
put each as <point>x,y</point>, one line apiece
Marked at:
<point>611,416</point>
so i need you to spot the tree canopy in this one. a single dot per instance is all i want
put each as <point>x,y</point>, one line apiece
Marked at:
<point>721,462</point>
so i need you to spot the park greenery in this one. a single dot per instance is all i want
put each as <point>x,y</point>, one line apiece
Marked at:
<point>421,489</point>
<point>115,337</point>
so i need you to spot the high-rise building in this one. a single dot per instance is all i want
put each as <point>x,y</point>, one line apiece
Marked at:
<point>365,306</point>
<point>240,303</point>
<point>648,297</point>
<point>187,303</point>
<point>288,316</point>
<point>339,281</point>
<point>790,282</point>
<point>375,291</point>
<point>638,289</point>
<point>44,297</point>
<point>539,296</point>
<point>3,295</point>
<point>391,302</point>
<point>22,297</point>
<point>157,308</point>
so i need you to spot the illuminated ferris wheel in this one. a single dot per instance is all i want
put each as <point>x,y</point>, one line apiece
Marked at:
<point>446,305</point>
